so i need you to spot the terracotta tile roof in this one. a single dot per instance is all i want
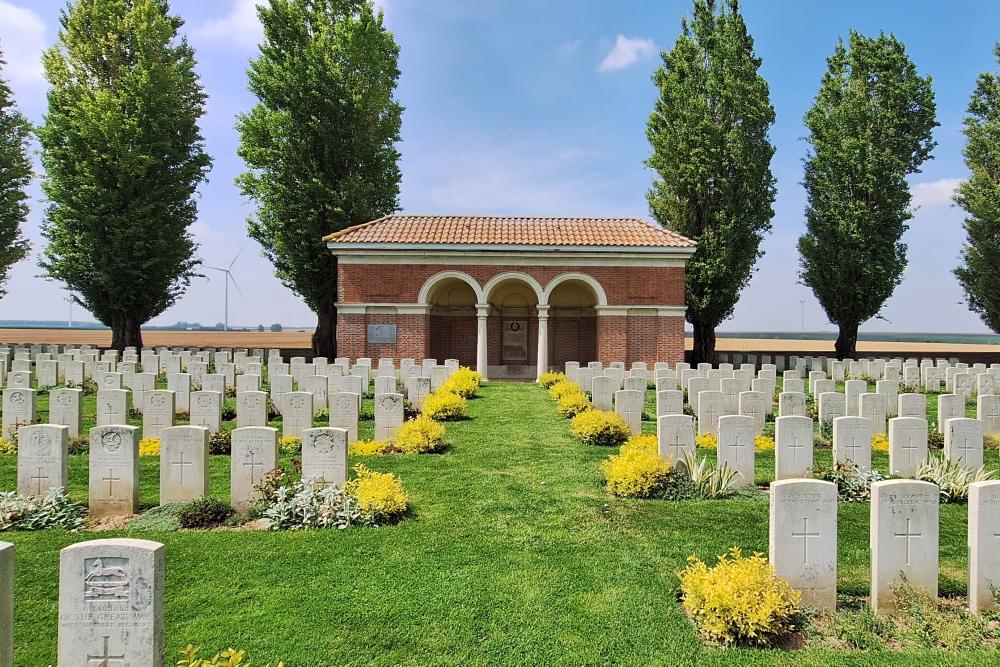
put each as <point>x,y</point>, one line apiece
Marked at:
<point>498,230</point>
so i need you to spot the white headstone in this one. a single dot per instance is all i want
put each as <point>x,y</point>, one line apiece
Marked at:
<point>907,445</point>
<point>755,404</point>
<point>206,410</point>
<point>111,603</point>
<point>904,537</point>
<point>388,415</point>
<point>324,456</point>
<point>802,539</point>
<point>912,405</point>
<point>669,402</point>
<point>852,441</point>
<point>963,441</point>
<point>831,406</point>
<point>251,409</point>
<point>254,453</point>
<point>709,408</point>
<point>872,406</point>
<point>988,412</point>
<point>113,407</point>
<point>157,413</point>
<point>296,413</point>
<point>675,436</point>
<point>950,406</point>
<point>791,404</point>
<point>628,405</point>
<point>183,464</point>
<point>984,536</point>
<point>18,410</point>
<point>602,392</point>
<point>64,409</point>
<point>793,447</point>
<point>344,413</point>
<point>42,459</point>
<point>736,446</point>
<point>180,384</point>
<point>114,471</point>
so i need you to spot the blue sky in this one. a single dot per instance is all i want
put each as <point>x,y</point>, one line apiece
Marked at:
<point>539,107</point>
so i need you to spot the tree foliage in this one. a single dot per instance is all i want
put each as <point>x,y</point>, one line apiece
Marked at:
<point>979,195</point>
<point>123,156</point>
<point>869,127</point>
<point>320,146</point>
<point>709,135</point>
<point>15,175</point>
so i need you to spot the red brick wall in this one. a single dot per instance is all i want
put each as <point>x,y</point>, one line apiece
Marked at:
<point>647,338</point>
<point>411,336</point>
<point>402,283</point>
<point>453,337</point>
<point>572,339</point>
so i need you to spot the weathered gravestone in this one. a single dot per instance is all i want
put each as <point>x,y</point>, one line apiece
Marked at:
<point>64,409</point>
<point>418,389</point>
<point>157,413</point>
<point>297,413</point>
<point>254,453</point>
<point>791,404</point>
<point>602,393</point>
<point>18,410</point>
<point>853,389</point>
<point>111,604</point>
<point>669,402</point>
<point>755,404</point>
<point>872,406</point>
<point>180,384</point>
<point>114,471</point>
<point>675,437</point>
<point>113,406</point>
<point>950,406</point>
<point>709,407</point>
<point>42,459</point>
<point>385,384</point>
<point>206,410</point>
<point>251,409</point>
<point>183,464</point>
<point>636,383</point>
<point>793,447</point>
<point>344,413</point>
<point>324,456</point>
<point>802,538</point>
<point>831,406</point>
<point>852,441</point>
<point>963,442</point>
<point>736,446</point>
<point>388,415</point>
<point>281,385</point>
<point>628,405</point>
<point>907,445</point>
<point>984,535</point>
<point>249,382</point>
<point>912,405</point>
<point>214,382</point>
<point>988,412</point>
<point>904,538</point>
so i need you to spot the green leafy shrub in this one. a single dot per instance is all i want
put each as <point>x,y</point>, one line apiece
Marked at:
<point>550,378</point>
<point>739,601</point>
<point>79,445</point>
<point>206,512</point>
<point>221,443</point>
<point>445,406</point>
<point>571,405</point>
<point>53,510</point>
<point>952,478</point>
<point>228,658</point>
<point>463,382</point>
<point>854,485</point>
<point>598,427</point>
<point>710,482</point>
<point>228,412</point>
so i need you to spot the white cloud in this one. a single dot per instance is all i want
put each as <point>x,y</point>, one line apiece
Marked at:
<point>240,25</point>
<point>22,38</point>
<point>572,46</point>
<point>627,51</point>
<point>934,193</point>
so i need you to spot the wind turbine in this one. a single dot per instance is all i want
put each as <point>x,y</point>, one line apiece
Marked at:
<point>229,276</point>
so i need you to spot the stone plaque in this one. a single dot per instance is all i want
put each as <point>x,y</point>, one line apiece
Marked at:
<point>515,341</point>
<point>381,334</point>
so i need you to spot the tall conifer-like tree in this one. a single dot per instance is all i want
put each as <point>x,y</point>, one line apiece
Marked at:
<point>15,174</point>
<point>979,195</point>
<point>869,128</point>
<point>320,145</point>
<point>123,156</point>
<point>709,135</point>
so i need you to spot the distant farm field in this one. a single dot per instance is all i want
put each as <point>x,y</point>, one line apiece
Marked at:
<point>291,339</point>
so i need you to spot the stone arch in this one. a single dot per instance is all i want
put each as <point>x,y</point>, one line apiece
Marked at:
<point>501,278</point>
<point>425,291</point>
<point>599,293</point>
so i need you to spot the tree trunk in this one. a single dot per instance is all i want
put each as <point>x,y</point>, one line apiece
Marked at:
<point>324,343</point>
<point>847,341</point>
<point>704,344</point>
<point>125,332</point>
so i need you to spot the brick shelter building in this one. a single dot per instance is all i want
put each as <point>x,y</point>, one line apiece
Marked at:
<point>511,296</point>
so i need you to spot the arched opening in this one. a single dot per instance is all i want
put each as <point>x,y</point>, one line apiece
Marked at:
<point>572,322</point>
<point>452,321</point>
<point>513,327</point>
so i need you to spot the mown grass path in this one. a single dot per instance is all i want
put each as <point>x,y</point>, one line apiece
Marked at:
<point>513,555</point>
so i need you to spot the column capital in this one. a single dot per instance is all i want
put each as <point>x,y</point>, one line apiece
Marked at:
<point>543,310</point>
<point>482,309</point>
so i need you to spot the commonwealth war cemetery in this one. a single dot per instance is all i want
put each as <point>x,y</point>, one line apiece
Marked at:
<point>512,436</point>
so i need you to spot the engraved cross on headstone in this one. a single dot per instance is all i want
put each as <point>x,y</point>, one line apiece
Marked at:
<point>805,535</point>
<point>111,479</point>
<point>909,448</point>
<point>106,660</point>
<point>109,412</point>
<point>853,447</point>
<point>38,477</point>
<point>738,445</point>
<point>965,447</point>
<point>795,447</point>
<point>181,462</point>
<point>253,464</point>
<point>907,536</point>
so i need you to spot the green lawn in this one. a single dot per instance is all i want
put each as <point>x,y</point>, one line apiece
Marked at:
<point>513,555</point>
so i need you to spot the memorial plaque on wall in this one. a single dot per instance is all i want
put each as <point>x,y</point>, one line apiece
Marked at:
<point>381,334</point>
<point>515,341</point>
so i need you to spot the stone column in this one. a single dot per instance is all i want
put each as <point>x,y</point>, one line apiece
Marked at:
<point>543,339</point>
<point>482,360</point>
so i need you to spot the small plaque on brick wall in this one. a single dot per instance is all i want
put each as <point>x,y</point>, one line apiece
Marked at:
<point>381,334</point>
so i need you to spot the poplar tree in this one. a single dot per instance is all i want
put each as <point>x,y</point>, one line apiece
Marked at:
<point>869,128</point>
<point>123,156</point>
<point>712,156</point>
<point>320,144</point>
<point>979,195</point>
<point>15,175</point>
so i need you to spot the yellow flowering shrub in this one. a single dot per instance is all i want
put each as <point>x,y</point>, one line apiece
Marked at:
<point>706,441</point>
<point>550,378</point>
<point>564,387</point>
<point>571,405</point>
<point>149,447</point>
<point>7,447</point>
<point>445,406</point>
<point>739,601</point>
<point>880,442</point>
<point>637,471</point>
<point>463,382</point>
<point>370,447</point>
<point>289,444</point>
<point>597,427</point>
<point>380,495</point>
<point>763,443</point>
<point>420,435</point>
